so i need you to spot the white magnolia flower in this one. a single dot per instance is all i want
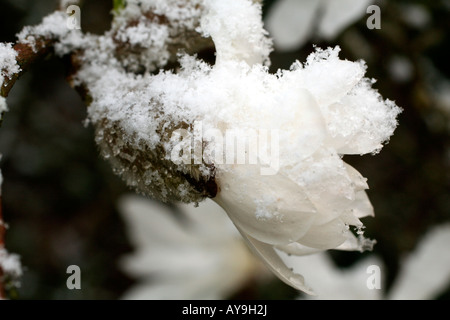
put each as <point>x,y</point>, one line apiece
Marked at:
<point>198,255</point>
<point>423,274</point>
<point>298,195</point>
<point>292,22</point>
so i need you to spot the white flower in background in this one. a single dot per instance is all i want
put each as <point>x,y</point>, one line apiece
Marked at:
<point>195,255</point>
<point>333,283</point>
<point>423,274</point>
<point>292,22</point>
<point>426,271</point>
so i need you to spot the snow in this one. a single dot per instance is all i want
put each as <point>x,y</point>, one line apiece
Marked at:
<point>53,26</point>
<point>237,31</point>
<point>135,115</point>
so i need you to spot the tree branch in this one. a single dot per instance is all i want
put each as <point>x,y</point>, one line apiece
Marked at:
<point>26,56</point>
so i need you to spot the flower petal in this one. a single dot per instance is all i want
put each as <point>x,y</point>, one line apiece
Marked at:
<point>327,184</point>
<point>237,31</point>
<point>276,265</point>
<point>333,283</point>
<point>282,216</point>
<point>290,22</point>
<point>426,272</point>
<point>337,15</point>
<point>362,206</point>
<point>326,236</point>
<point>359,181</point>
<point>298,249</point>
<point>209,220</point>
<point>149,221</point>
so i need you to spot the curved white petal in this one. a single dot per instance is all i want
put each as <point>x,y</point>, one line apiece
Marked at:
<point>364,136</point>
<point>326,236</point>
<point>303,124</point>
<point>209,220</point>
<point>328,78</point>
<point>426,271</point>
<point>290,22</point>
<point>191,269</point>
<point>297,249</point>
<point>273,261</point>
<point>333,283</point>
<point>337,15</point>
<point>283,215</point>
<point>359,181</point>
<point>237,31</point>
<point>362,207</point>
<point>327,184</point>
<point>149,221</point>
<point>351,243</point>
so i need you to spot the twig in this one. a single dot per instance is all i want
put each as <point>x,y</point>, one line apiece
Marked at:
<point>26,56</point>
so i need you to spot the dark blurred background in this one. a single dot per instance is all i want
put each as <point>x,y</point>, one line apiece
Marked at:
<point>59,196</point>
